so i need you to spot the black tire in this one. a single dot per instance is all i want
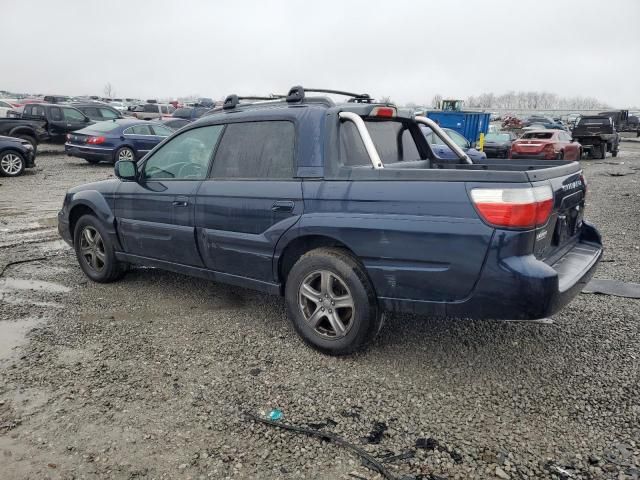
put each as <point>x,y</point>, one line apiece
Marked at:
<point>365,318</point>
<point>603,150</point>
<point>31,140</point>
<point>111,269</point>
<point>12,163</point>
<point>560,155</point>
<point>614,154</point>
<point>124,152</point>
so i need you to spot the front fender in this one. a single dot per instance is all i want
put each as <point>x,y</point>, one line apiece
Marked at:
<point>99,205</point>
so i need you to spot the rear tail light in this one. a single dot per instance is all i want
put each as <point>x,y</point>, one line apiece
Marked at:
<point>514,207</point>
<point>384,112</point>
<point>95,140</point>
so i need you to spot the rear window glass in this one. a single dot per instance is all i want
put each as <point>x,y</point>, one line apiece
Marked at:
<point>538,135</point>
<point>104,126</point>
<point>594,121</point>
<point>393,141</point>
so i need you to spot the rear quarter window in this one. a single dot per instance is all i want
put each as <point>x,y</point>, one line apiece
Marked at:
<point>256,150</point>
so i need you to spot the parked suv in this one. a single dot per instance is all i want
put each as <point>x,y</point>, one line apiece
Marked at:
<point>151,111</point>
<point>346,211</point>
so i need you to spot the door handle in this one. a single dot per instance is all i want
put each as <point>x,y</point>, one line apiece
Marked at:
<point>181,202</point>
<point>282,206</point>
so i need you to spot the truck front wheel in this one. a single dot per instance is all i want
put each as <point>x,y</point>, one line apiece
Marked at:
<point>331,302</point>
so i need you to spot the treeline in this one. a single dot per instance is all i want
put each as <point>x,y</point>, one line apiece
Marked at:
<point>533,101</point>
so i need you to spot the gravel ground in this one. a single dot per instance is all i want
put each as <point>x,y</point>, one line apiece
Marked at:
<point>150,377</point>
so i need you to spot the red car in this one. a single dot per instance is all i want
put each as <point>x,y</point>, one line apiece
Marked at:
<point>547,145</point>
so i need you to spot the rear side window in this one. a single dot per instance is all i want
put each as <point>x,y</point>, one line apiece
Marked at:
<point>109,114</point>
<point>255,150</point>
<point>139,130</point>
<point>91,112</point>
<point>56,114</point>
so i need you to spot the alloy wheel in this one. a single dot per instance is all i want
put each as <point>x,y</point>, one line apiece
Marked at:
<point>327,304</point>
<point>92,248</point>
<point>11,164</point>
<point>125,155</point>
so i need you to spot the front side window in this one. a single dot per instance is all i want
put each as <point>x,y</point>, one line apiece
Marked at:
<point>256,150</point>
<point>161,131</point>
<point>184,157</point>
<point>108,114</point>
<point>73,115</point>
<point>92,112</point>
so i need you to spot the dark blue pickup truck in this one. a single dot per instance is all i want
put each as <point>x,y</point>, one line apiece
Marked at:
<point>347,212</point>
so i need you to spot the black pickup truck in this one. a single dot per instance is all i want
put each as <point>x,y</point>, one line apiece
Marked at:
<point>41,122</point>
<point>597,135</point>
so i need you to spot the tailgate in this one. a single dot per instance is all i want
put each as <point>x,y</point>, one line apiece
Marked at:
<point>565,223</point>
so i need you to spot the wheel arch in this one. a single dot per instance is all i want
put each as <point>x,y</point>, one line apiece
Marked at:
<point>298,246</point>
<point>23,130</point>
<point>93,203</point>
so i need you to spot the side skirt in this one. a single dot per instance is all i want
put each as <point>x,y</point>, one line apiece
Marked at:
<point>266,287</point>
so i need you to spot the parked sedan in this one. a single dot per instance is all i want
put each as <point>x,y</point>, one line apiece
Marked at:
<point>547,145</point>
<point>176,123</point>
<point>98,112</point>
<point>6,107</point>
<point>151,111</point>
<point>190,113</point>
<point>498,144</point>
<point>15,155</point>
<point>113,140</point>
<point>443,152</point>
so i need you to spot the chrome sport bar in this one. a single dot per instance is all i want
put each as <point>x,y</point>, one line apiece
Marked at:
<point>444,137</point>
<point>366,138</point>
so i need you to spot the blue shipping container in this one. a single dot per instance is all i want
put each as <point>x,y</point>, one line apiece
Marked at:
<point>468,124</point>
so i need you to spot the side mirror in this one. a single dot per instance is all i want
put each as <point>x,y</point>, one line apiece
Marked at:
<point>126,170</point>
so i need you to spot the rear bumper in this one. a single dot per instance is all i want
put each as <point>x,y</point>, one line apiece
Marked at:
<point>496,152</point>
<point>539,156</point>
<point>519,287</point>
<point>90,153</point>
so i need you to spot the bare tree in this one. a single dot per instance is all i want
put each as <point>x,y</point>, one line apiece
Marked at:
<point>108,90</point>
<point>385,99</point>
<point>436,100</point>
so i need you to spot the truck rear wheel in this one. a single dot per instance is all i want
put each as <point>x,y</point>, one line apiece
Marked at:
<point>603,150</point>
<point>29,139</point>
<point>331,302</point>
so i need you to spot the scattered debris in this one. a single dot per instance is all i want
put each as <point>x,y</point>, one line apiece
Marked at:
<point>370,461</point>
<point>18,262</point>
<point>327,423</point>
<point>427,443</point>
<point>377,432</point>
<point>394,458</point>
<point>255,372</point>
<point>616,288</point>
<point>500,473</point>
<point>275,414</point>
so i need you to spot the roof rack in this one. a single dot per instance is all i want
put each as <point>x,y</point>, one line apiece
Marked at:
<point>232,101</point>
<point>297,94</point>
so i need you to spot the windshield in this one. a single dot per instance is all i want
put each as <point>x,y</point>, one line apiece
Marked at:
<point>497,137</point>
<point>538,135</point>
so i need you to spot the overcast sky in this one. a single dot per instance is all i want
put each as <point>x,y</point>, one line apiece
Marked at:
<point>408,50</point>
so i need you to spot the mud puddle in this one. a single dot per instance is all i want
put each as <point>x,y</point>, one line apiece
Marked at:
<point>11,284</point>
<point>13,333</point>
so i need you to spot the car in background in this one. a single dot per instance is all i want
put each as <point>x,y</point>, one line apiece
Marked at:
<point>205,102</point>
<point>56,99</point>
<point>190,113</point>
<point>119,106</point>
<point>498,144</point>
<point>15,155</point>
<point>98,112</point>
<point>152,111</point>
<point>546,145</point>
<point>119,139</point>
<point>175,123</point>
<point>443,152</point>
<point>6,107</point>
<point>547,122</point>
